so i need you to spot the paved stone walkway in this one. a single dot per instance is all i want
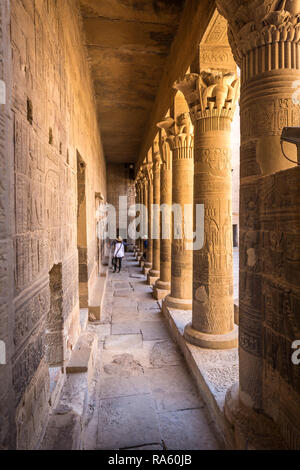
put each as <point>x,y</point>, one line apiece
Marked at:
<point>144,397</point>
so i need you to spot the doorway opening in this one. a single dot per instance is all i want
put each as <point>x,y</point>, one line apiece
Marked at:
<point>82,232</point>
<point>235,236</point>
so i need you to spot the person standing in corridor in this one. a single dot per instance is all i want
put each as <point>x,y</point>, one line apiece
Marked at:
<point>119,253</point>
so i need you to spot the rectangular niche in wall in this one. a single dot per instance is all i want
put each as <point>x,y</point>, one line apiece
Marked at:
<point>235,236</point>
<point>82,232</point>
<point>55,322</point>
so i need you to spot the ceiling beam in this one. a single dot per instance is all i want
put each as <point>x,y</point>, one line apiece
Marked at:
<point>195,18</point>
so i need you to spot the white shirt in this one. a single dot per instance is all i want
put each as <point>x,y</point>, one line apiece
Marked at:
<point>119,250</point>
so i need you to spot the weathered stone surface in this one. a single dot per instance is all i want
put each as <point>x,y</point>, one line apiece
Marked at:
<point>127,422</point>
<point>102,331</point>
<point>121,285</point>
<point>150,315</point>
<point>123,342</point>
<point>63,431</point>
<point>124,365</point>
<point>125,314</point>
<point>149,447</point>
<point>146,303</point>
<point>123,293</point>
<point>165,353</point>
<point>84,318</point>
<point>83,356</point>
<point>172,389</point>
<point>126,328</point>
<point>116,386</point>
<point>153,330</point>
<point>187,430</point>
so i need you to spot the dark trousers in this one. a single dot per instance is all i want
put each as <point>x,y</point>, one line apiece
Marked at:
<point>117,264</point>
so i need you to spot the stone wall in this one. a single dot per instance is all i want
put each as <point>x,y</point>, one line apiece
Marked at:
<point>270,250</point>
<point>54,118</point>
<point>235,149</point>
<point>119,184</point>
<point>7,433</point>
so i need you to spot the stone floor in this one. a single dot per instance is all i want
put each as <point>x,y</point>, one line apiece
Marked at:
<point>143,396</point>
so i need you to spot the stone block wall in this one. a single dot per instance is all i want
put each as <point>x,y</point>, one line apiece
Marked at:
<point>7,402</point>
<point>280,290</point>
<point>270,251</point>
<point>119,184</point>
<point>52,116</point>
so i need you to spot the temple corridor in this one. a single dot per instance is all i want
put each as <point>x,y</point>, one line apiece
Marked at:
<point>143,396</point>
<point>167,133</point>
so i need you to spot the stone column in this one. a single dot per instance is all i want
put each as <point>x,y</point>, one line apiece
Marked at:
<point>141,198</point>
<point>212,98</point>
<point>181,141</point>
<point>264,38</point>
<point>163,284</point>
<point>148,202</point>
<point>154,272</point>
<point>10,329</point>
<point>137,249</point>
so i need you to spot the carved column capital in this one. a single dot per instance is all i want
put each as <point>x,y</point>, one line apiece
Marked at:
<point>210,94</point>
<point>138,178</point>
<point>258,24</point>
<point>156,160</point>
<point>179,132</point>
<point>148,172</point>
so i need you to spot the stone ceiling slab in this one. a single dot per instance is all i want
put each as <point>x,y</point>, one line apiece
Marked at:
<point>128,42</point>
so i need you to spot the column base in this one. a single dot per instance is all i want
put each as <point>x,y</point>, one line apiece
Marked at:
<point>146,268</point>
<point>204,340</point>
<point>179,304</point>
<point>141,263</point>
<point>161,289</point>
<point>247,429</point>
<point>152,277</point>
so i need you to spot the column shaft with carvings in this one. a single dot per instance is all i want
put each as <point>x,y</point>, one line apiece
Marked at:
<point>148,202</point>
<point>264,37</point>
<point>144,199</point>
<point>138,201</point>
<point>163,284</point>
<point>141,248</point>
<point>212,98</point>
<point>154,272</point>
<point>181,141</point>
